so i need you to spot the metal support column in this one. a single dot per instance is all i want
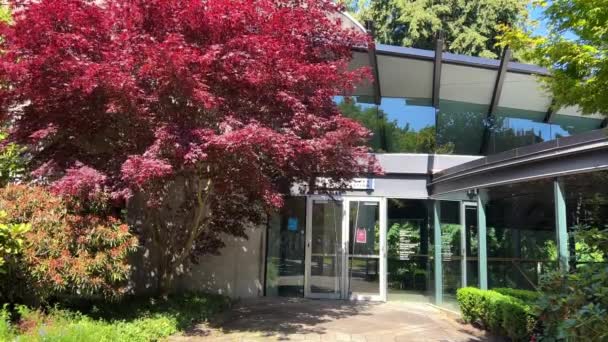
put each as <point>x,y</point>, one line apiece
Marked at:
<point>561,228</point>
<point>437,254</point>
<point>482,245</point>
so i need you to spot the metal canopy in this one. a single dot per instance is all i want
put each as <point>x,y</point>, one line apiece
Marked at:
<point>584,152</point>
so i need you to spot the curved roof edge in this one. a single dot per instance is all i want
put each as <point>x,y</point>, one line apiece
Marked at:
<point>354,21</point>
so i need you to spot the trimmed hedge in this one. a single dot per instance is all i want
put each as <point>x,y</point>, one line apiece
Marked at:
<point>529,297</point>
<point>499,313</point>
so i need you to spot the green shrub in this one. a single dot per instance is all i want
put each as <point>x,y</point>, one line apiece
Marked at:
<point>6,330</point>
<point>526,296</point>
<point>132,320</point>
<point>499,313</point>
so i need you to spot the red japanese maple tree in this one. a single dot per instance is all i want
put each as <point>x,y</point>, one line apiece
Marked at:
<point>206,111</point>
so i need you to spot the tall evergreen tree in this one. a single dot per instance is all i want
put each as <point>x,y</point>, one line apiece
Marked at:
<point>470,27</point>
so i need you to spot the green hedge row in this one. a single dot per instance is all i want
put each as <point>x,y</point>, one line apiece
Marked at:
<point>526,296</point>
<point>499,313</point>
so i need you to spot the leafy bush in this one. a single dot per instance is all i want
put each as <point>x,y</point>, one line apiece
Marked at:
<point>65,253</point>
<point>6,330</point>
<point>499,313</point>
<point>574,305</point>
<point>524,295</point>
<point>12,238</point>
<point>131,320</point>
<point>12,165</point>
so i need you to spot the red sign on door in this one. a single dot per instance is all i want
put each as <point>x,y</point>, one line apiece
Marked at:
<point>361,235</point>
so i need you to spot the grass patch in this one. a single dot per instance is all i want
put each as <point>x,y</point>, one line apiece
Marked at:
<point>134,319</point>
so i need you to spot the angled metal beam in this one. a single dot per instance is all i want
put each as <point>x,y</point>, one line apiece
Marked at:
<point>500,80</point>
<point>550,112</point>
<point>437,71</point>
<point>373,62</point>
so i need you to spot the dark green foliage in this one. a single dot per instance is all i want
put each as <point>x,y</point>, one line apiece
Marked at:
<point>470,27</point>
<point>574,305</point>
<point>499,313</point>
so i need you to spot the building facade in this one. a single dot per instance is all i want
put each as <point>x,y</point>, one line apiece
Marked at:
<point>483,182</point>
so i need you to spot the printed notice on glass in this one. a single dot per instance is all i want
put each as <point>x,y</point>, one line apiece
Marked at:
<point>406,247</point>
<point>446,247</point>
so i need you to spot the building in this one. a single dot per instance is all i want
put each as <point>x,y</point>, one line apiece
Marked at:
<point>493,209</point>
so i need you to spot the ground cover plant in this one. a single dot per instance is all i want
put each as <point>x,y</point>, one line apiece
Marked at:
<point>133,319</point>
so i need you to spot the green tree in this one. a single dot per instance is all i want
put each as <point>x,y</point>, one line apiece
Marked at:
<point>575,49</point>
<point>470,26</point>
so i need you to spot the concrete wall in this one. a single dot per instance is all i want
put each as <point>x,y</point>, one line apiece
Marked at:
<point>238,272</point>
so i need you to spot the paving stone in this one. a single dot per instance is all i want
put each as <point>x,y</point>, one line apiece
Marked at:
<point>302,320</point>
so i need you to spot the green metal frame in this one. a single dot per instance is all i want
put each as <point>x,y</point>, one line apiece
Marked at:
<point>437,252</point>
<point>482,249</point>
<point>561,225</point>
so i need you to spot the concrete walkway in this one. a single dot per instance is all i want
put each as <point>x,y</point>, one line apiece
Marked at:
<point>282,319</point>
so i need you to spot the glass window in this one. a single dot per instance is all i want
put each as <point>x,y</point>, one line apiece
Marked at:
<point>450,251</point>
<point>286,249</point>
<point>398,125</point>
<point>367,114</point>
<point>587,209</point>
<point>568,125</point>
<point>461,126</point>
<point>516,128</point>
<point>520,234</point>
<point>408,244</point>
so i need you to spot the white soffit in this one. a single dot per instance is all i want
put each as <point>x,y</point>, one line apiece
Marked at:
<point>576,111</point>
<point>405,77</point>
<point>467,84</point>
<point>360,60</point>
<point>521,91</point>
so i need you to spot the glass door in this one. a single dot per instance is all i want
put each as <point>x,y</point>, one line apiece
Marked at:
<point>366,276</point>
<point>345,248</point>
<point>325,260</point>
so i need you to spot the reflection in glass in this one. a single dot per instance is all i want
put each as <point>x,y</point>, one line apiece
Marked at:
<point>450,251</point>
<point>462,126</point>
<point>326,248</point>
<point>471,245</point>
<point>398,125</point>
<point>587,211</point>
<point>569,125</point>
<point>409,269</point>
<point>364,247</point>
<point>285,258</point>
<point>520,234</point>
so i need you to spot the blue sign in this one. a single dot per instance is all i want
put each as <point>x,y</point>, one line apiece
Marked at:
<point>292,224</point>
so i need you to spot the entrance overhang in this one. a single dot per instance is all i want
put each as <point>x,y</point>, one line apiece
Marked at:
<point>569,155</point>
